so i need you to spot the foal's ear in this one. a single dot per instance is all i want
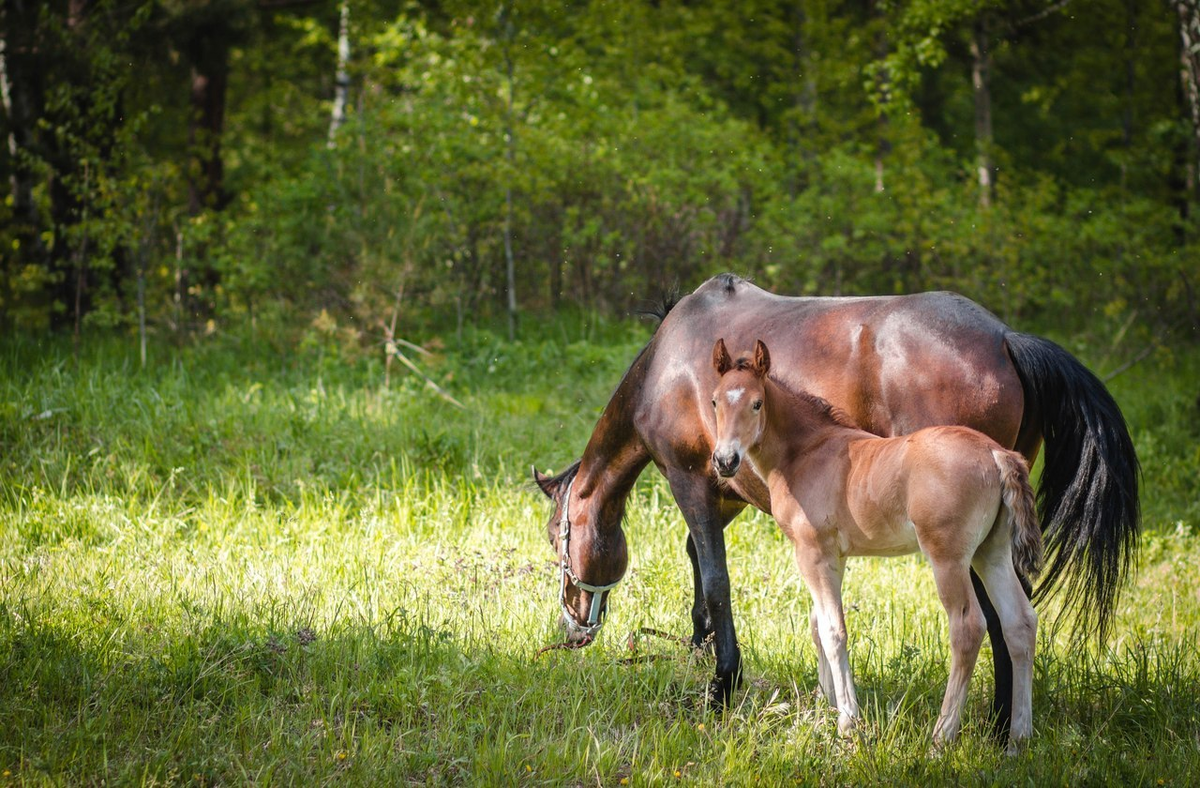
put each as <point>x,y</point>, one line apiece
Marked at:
<point>545,483</point>
<point>762,359</point>
<point>722,363</point>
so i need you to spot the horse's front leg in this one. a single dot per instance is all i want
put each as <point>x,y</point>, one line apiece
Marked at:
<point>706,518</point>
<point>702,628</point>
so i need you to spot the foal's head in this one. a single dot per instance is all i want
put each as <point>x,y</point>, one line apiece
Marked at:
<point>738,404</point>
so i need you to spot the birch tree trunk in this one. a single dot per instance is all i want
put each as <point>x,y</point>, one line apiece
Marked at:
<point>883,145</point>
<point>342,89</point>
<point>981,76</point>
<point>1189,56</point>
<point>1183,176</point>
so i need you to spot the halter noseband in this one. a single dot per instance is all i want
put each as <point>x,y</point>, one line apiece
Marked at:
<point>599,593</point>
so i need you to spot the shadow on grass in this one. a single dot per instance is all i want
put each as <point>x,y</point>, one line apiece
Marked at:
<point>227,700</point>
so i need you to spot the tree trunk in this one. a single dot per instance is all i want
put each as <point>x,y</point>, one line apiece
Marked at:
<point>342,84</point>
<point>22,71</point>
<point>1182,178</point>
<point>883,145</point>
<point>804,95</point>
<point>510,274</point>
<point>209,54</point>
<point>1189,57</point>
<point>981,76</point>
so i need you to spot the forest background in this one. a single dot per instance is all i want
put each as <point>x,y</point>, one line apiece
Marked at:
<point>176,167</point>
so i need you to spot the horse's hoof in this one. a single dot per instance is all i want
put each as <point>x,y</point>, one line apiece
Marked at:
<point>702,643</point>
<point>847,725</point>
<point>718,694</point>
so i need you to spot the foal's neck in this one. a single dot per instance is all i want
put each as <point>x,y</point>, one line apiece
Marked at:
<point>797,423</point>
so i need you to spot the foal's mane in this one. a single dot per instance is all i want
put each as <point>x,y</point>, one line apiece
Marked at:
<point>823,407</point>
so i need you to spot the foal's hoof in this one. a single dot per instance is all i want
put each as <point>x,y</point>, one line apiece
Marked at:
<point>939,747</point>
<point>848,726</point>
<point>1016,747</point>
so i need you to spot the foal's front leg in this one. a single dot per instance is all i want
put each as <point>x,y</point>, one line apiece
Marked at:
<point>822,569</point>
<point>824,672</point>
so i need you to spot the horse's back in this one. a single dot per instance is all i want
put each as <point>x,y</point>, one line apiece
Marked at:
<point>895,364</point>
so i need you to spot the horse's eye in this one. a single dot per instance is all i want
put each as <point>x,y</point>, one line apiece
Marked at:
<point>758,404</point>
<point>714,404</point>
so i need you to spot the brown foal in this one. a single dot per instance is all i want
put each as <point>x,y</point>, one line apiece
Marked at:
<point>836,491</point>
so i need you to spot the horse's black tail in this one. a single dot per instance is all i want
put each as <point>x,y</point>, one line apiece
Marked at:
<point>1088,494</point>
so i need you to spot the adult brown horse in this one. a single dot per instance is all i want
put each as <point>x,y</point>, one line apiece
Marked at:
<point>894,365</point>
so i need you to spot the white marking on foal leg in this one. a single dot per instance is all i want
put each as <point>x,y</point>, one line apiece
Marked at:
<point>824,672</point>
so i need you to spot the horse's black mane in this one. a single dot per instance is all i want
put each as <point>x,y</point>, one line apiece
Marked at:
<point>566,476</point>
<point>662,307</point>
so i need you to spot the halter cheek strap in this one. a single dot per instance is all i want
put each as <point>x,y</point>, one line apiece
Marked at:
<point>595,619</point>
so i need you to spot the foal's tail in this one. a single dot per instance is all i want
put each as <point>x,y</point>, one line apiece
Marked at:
<point>1088,491</point>
<point>1017,496</point>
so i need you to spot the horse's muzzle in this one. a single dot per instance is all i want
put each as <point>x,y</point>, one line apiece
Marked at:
<point>576,634</point>
<point>727,465</point>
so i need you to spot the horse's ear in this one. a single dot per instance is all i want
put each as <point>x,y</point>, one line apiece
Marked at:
<point>762,359</point>
<point>545,483</point>
<point>722,363</point>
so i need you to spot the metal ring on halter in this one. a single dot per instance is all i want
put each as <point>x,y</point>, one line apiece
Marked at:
<point>599,593</point>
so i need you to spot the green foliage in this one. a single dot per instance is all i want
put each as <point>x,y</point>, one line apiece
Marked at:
<point>821,149</point>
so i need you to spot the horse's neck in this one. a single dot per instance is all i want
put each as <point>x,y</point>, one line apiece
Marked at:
<point>615,454</point>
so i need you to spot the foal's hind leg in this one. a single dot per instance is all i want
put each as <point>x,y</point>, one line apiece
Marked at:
<point>967,627</point>
<point>993,562</point>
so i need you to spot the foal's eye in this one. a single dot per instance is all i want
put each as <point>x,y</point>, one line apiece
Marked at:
<point>714,404</point>
<point>758,404</point>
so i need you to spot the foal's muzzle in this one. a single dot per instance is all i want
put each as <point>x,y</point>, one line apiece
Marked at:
<point>726,463</point>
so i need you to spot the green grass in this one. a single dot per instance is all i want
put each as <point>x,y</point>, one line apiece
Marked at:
<point>248,566</point>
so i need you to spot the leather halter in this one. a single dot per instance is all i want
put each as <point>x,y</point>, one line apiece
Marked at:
<point>598,609</point>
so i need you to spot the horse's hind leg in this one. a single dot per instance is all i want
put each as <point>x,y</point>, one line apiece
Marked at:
<point>993,563</point>
<point>967,627</point>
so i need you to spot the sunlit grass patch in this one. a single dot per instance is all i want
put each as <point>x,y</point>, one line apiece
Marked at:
<point>258,582</point>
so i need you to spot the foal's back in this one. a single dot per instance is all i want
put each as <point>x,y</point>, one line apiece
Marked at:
<point>937,490</point>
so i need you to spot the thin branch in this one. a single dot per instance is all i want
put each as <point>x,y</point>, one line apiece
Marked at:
<point>1040,15</point>
<point>441,392</point>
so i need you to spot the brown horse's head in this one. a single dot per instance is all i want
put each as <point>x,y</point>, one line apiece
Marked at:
<point>591,561</point>
<point>738,405</point>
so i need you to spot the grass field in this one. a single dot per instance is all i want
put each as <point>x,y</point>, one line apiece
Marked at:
<point>242,565</point>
